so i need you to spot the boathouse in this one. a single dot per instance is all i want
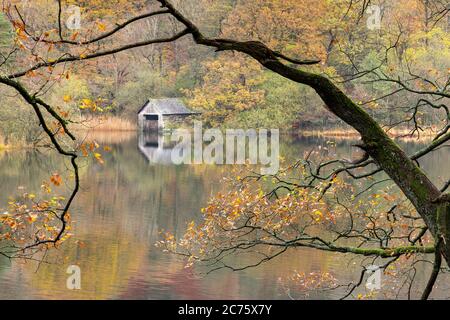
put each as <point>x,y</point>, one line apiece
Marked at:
<point>156,114</point>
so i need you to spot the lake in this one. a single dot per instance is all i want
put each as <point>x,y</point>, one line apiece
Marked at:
<point>125,203</point>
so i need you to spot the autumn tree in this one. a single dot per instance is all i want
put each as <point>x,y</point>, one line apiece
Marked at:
<point>315,194</point>
<point>430,202</point>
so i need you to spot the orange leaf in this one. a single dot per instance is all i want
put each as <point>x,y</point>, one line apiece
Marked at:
<point>56,179</point>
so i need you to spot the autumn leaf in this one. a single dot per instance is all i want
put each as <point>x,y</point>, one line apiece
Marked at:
<point>93,145</point>
<point>81,244</point>
<point>21,33</point>
<point>98,157</point>
<point>101,26</point>
<point>74,36</point>
<point>64,114</point>
<point>31,74</point>
<point>84,150</point>
<point>32,217</point>
<point>85,104</point>
<point>56,179</point>
<point>45,186</point>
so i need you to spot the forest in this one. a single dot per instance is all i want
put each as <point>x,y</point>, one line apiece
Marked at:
<point>229,89</point>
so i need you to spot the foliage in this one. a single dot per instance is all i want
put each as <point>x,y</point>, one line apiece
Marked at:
<point>5,33</point>
<point>31,217</point>
<point>237,92</point>
<point>230,86</point>
<point>276,211</point>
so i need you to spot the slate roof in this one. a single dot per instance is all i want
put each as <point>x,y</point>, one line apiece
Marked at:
<point>165,106</point>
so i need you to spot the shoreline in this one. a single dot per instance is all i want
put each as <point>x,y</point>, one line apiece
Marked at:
<point>109,133</point>
<point>402,135</point>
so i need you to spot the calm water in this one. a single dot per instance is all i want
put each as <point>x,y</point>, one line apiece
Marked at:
<point>122,207</point>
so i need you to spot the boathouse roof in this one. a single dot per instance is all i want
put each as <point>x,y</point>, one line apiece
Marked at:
<point>165,106</point>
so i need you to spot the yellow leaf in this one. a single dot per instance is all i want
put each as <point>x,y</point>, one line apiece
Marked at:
<point>32,217</point>
<point>98,156</point>
<point>101,26</point>
<point>21,34</point>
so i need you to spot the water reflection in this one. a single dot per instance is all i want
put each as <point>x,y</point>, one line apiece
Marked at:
<point>122,207</point>
<point>155,147</point>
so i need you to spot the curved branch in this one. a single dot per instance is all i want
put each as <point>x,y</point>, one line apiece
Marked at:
<point>71,154</point>
<point>99,54</point>
<point>435,273</point>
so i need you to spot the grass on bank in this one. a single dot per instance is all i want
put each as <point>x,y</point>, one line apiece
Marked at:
<point>104,124</point>
<point>400,133</point>
<point>111,129</point>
